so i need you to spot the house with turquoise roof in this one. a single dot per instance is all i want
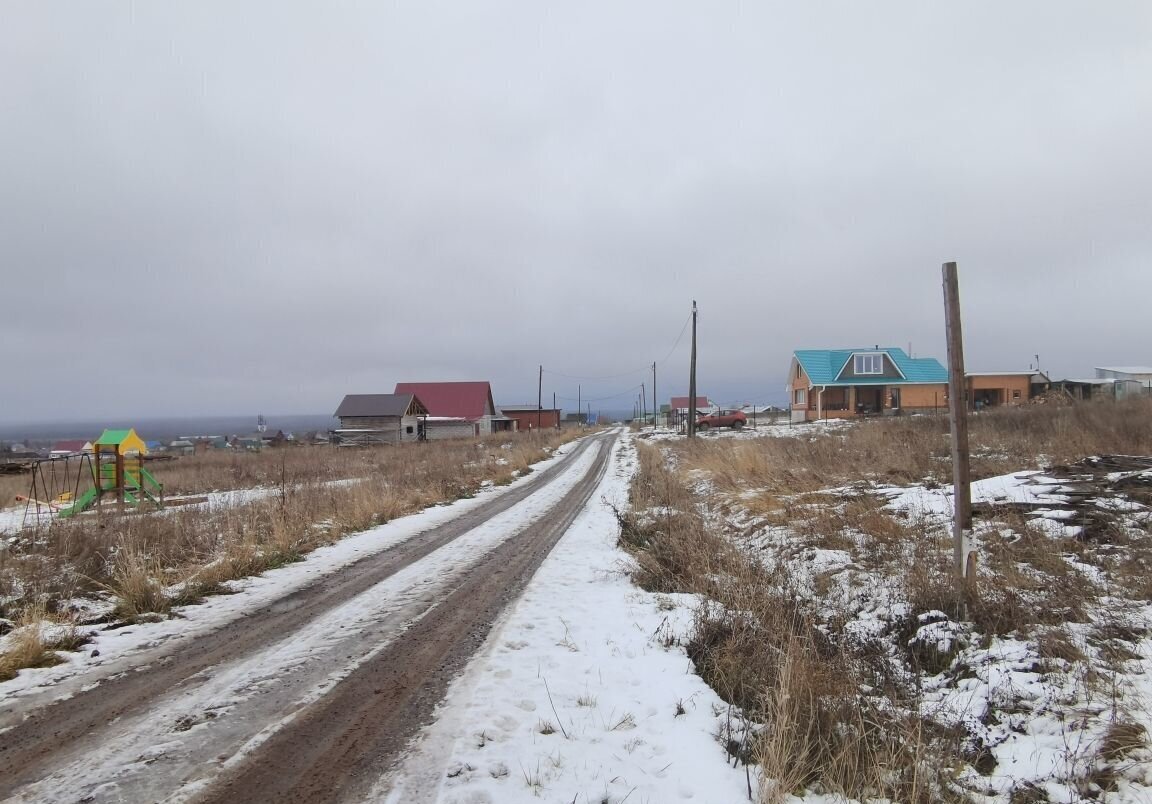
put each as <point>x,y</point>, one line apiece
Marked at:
<point>843,383</point>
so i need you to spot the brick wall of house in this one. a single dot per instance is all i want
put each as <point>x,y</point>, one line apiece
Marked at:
<point>924,397</point>
<point>1015,388</point>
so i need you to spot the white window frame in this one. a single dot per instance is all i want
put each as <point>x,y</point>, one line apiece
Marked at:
<point>800,396</point>
<point>861,361</point>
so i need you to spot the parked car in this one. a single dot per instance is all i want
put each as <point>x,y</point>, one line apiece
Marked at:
<point>722,418</point>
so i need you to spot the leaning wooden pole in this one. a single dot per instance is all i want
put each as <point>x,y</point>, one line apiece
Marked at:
<point>958,415</point>
<point>539,398</point>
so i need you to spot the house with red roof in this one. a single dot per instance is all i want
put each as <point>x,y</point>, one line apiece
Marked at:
<point>680,405</point>
<point>458,409</point>
<point>63,449</point>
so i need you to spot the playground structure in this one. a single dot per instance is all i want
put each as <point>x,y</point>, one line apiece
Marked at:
<point>116,471</point>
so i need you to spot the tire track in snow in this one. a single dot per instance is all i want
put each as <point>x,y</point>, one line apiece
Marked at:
<point>274,656</point>
<point>337,749</point>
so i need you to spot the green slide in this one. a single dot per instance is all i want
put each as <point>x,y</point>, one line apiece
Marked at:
<point>83,502</point>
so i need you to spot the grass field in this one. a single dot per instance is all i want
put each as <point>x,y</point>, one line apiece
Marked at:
<point>141,565</point>
<point>831,621</point>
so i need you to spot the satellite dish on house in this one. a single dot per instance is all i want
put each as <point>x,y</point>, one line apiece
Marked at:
<point>261,424</point>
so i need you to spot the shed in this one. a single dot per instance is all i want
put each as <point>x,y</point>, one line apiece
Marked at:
<point>1139,374</point>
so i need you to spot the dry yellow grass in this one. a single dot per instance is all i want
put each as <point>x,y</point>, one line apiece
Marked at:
<point>757,644</point>
<point>28,646</point>
<point>757,647</point>
<point>147,563</point>
<point>913,448</point>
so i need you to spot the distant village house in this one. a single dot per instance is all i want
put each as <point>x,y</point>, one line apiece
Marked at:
<point>529,417</point>
<point>375,419</point>
<point>680,405</point>
<point>458,409</point>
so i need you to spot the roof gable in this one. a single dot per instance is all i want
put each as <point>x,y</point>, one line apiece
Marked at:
<point>824,366</point>
<point>466,400</point>
<point>356,405</point>
<point>72,445</point>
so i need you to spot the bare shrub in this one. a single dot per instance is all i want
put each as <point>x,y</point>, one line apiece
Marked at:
<point>134,580</point>
<point>35,640</point>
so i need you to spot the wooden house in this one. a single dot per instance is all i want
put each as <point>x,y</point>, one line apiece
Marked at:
<point>373,419</point>
<point>274,438</point>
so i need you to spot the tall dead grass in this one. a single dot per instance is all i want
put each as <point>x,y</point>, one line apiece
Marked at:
<point>756,643</point>
<point>35,639</point>
<point>905,449</point>
<point>837,710</point>
<point>147,563</point>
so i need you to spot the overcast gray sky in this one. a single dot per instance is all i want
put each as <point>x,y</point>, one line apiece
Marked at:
<point>240,207</point>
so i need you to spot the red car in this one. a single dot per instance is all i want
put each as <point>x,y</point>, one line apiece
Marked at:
<point>724,418</point>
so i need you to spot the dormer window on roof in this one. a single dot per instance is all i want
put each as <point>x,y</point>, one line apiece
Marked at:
<point>868,363</point>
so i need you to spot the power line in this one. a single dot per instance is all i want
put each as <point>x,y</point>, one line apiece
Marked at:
<point>631,390</point>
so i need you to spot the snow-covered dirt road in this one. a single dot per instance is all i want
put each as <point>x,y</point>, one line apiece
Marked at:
<point>313,694</point>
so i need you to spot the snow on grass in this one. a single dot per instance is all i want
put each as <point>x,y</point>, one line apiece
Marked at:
<point>1059,708</point>
<point>126,648</point>
<point>580,693</point>
<point>762,429</point>
<point>1026,488</point>
<point>18,517</point>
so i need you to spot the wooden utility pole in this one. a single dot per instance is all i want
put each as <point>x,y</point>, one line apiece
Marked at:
<point>579,401</point>
<point>555,412</point>
<point>655,415</point>
<point>958,415</point>
<point>540,398</point>
<point>692,379</point>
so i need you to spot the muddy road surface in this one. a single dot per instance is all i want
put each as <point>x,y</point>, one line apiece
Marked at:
<point>312,697</point>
